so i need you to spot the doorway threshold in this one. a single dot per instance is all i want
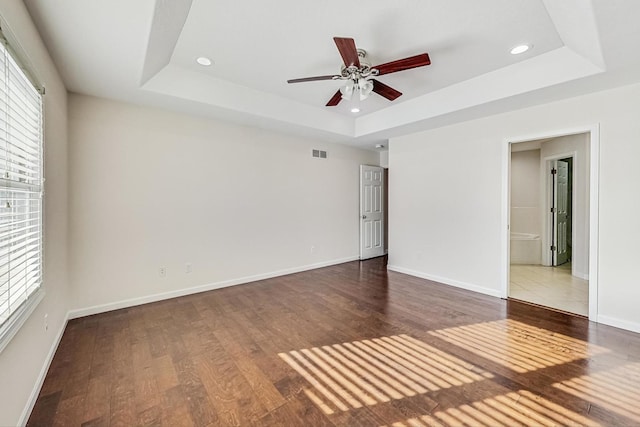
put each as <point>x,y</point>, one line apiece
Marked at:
<point>557,310</point>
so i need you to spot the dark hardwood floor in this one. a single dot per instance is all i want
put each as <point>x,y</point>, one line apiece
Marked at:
<point>348,345</point>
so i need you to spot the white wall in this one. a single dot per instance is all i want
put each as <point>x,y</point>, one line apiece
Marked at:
<point>578,144</point>
<point>24,361</point>
<point>525,192</point>
<point>151,188</point>
<point>384,159</point>
<point>446,186</point>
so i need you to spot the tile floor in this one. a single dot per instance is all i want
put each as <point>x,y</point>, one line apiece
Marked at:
<point>553,287</point>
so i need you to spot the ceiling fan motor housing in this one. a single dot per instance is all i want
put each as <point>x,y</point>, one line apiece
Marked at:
<point>354,73</point>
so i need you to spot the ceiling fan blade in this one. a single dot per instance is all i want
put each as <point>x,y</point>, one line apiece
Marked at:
<point>403,64</point>
<point>335,99</point>
<point>311,79</point>
<point>348,51</point>
<point>384,90</point>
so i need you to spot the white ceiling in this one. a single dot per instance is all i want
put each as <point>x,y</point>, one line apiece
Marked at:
<point>144,52</point>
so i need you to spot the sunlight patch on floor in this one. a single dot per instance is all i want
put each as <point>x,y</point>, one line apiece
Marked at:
<point>518,346</point>
<point>617,390</point>
<point>521,408</point>
<point>369,372</point>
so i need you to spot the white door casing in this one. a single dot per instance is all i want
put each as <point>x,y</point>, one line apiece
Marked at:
<point>371,211</point>
<point>593,173</point>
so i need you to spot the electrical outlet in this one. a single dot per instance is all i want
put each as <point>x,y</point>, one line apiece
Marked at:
<point>162,271</point>
<point>188,268</point>
<point>46,322</point>
<point>313,249</point>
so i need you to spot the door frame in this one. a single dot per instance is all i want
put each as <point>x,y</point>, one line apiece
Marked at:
<point>594,182</point>
<point>547,220</point>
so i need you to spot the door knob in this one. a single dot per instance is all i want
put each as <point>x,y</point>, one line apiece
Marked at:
<point>364,217</point>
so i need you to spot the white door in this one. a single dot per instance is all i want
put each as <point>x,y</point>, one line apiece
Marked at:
<point>560,212</point>
<point>371,211</point>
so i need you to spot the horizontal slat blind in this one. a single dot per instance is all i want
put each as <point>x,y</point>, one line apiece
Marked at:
<point>21,166</point>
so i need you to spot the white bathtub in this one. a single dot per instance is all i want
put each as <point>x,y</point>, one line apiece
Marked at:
<point>526,248</point>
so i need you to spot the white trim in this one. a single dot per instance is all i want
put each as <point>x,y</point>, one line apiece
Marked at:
<point>554,134</point>
<point>505,229</point>
<point>619,323</point>
<point>33,397</point>
<point>96,309</point>
<point>594,222</point>
<point>594,182</point>
<point>446,281</point>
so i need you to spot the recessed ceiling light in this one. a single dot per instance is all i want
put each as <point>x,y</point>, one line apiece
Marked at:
<point>203,60</point>
<point>355,110</point>
<point>520,49</point>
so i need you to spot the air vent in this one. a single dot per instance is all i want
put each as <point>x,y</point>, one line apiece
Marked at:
<point>319,153</point>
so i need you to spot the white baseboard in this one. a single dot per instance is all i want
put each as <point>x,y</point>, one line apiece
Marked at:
<point>619,323</point>
<point>88,311</point>
<point>468,286</point>
<point>26,413</point>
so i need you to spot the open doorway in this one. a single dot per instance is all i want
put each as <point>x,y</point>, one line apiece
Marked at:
<point>549,189</point>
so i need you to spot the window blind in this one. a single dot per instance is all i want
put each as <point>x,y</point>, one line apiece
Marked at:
<point>21,178</point>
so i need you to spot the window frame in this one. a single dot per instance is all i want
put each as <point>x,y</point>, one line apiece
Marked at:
<point>18,316</point>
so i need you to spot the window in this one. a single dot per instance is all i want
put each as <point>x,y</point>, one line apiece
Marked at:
<point>21,177</point>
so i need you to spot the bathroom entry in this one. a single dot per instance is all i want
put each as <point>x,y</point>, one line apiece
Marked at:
<point>548,222</point>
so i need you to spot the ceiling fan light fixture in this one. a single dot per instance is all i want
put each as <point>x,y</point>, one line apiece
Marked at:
<point>366,87</point>
<point>204,61</point>
<point>522,48</point>
<point>347,90</point>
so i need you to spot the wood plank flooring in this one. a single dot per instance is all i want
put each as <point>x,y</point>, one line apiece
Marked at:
<point>347,345</point>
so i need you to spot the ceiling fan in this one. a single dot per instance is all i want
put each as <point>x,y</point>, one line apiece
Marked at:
<point>358,73</point>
